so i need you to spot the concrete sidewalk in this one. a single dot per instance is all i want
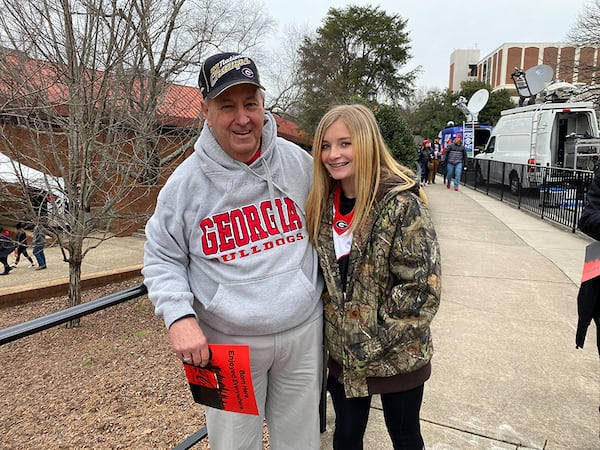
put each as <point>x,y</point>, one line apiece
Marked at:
<point>114,260</point>
<point>506,374</point>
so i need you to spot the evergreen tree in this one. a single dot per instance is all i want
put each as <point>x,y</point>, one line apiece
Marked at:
<point>357,50</point>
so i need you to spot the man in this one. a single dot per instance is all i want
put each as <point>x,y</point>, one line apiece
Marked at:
<point>228,260</point>
<point>456,159</point>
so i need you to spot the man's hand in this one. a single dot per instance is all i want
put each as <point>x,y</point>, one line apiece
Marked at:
<point>188,342</point>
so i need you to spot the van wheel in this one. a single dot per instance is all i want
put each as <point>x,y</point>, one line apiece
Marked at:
<point>514,184</point>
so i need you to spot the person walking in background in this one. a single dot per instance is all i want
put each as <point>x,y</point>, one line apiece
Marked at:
<point>380,258</point>
<point>21,239</point>
<point>228,260</point>
<point>425,158</point>
<point>456,160</point>
<point>7,245</point>
<point>443,159</point>
<point>39,241</point>
<point>436,151</point>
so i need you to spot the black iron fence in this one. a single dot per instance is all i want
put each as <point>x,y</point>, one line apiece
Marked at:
<point>551,193</point>
<point>25,329</point>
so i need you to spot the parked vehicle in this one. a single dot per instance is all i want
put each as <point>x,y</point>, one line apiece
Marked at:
<point>538,136</point>
<point>474,137</point>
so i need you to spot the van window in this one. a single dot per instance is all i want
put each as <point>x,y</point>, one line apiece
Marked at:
<point>482,135</point>
<point>491,145</point>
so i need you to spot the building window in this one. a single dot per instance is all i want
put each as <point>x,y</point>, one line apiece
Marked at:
<point>472,70</point>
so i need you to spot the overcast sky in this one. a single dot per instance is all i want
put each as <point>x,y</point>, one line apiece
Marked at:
<point>437,27</point>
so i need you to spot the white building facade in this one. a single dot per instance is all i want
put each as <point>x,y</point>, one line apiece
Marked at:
<point>463,67</point>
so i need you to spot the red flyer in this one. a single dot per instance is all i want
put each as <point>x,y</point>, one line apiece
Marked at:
<point>226,382</point>
<point>591,266</point>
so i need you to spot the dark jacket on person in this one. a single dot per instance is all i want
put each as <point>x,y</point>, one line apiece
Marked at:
<point>588,298</point>
<point>456,154</point>
<point>21,239</point>
<point>425,155</point>
<point>7,245</point>
<point>589,221</point>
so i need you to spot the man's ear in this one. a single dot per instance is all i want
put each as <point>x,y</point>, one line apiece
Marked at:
<point>204,108</point>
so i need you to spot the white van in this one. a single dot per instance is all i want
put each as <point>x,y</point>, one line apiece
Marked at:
<point>539,135</point>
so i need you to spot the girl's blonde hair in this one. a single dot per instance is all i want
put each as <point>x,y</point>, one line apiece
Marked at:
<point>372,160</point>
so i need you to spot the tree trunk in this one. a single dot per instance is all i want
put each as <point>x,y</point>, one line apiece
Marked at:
<point>74,285</point>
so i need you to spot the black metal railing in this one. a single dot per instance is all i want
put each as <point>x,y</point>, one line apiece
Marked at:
<point>66,315</point>
<point>25,329</point>
<point>551,193</point>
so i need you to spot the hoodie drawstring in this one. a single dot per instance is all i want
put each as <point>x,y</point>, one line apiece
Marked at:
<point>271,186</point>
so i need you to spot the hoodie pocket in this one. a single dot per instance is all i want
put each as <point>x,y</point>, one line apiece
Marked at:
<point>265,305</point>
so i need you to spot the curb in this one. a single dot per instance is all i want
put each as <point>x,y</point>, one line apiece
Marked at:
<point>60,286</point>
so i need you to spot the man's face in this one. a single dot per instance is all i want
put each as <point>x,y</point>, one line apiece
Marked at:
<point>236,118</point>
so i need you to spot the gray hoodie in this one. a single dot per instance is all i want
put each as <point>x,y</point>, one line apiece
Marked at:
<point>227,241</point>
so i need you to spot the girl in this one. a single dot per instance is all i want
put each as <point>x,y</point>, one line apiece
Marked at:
<point>381,262</point>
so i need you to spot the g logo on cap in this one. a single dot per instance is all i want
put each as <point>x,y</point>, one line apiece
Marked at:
<point>247,72</point>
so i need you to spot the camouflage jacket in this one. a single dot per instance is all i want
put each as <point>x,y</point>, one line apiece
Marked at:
<point>380,326</point>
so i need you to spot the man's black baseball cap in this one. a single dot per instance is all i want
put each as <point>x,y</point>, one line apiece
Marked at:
<point>224,70</point>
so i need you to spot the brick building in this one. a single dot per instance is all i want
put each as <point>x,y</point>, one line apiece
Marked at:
<point>570,64</point>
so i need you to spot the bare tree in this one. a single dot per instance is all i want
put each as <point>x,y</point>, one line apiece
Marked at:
<point>282,73</point>
<point>585,32</point>
<point>85,87</point>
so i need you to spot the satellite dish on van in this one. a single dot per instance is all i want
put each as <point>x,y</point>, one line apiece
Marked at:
<point>531,82</point>
<point>476,104</point>
<point>537,77</point>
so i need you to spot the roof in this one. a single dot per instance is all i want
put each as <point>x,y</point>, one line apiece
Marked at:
<point>292,132</point>
<point>181,105</point>
<point>558,106</point>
